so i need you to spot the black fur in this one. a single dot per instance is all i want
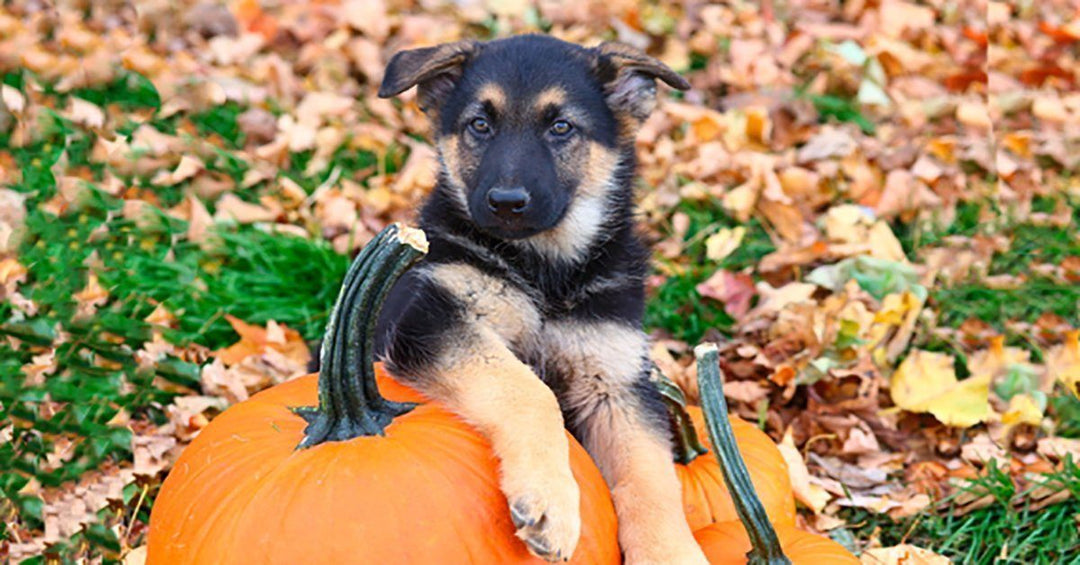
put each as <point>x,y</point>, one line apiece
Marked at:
<point>605,283</point>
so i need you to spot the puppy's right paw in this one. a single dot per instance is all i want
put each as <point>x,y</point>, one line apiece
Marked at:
<point>545,509</point>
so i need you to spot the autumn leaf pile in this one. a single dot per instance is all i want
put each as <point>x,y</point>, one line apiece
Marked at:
<point>872,207</point>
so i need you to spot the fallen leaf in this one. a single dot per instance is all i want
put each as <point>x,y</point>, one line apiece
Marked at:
<point>1023,409</point>
<point>90,297</point>
<point>734,290</point>
<point>187,168</point>
<point>1058,448</point>
<point>773,300</point>
<point>748,392</point>
<point>1063,362</point>
<point>904,554</point>
<point>724,243</point>
<point>85,113</point>
<point>13,100</point>
<point>136,556</point>
<point>255,340</point>
<point>231,207</point>
<point>812,496</point>
<point>828,143</point>
<point>926,382</point>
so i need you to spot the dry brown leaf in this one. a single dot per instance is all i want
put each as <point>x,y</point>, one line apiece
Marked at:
<point>187,168</point>
<point>734,290</point>
<point>902,555</point>
<point>90,297</point>
<point>231,207</point>
<point>811,495</point>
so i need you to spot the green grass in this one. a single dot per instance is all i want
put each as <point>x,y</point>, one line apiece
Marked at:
<point>998,533</point>
<point>843,109</point>
<point>676,307</point>
<point>1030,244</point>
<point>996,306</point>
<point>1036,244</point>
<point>244,272</point>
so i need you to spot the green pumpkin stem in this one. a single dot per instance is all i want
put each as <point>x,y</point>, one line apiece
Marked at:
<point>766,545</point>
<point>349,401</point>
<point>687,446</point>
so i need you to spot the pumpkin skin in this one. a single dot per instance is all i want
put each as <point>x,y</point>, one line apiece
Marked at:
<point>706,499</point>
<point>727,543</point>
<point>425,493</point>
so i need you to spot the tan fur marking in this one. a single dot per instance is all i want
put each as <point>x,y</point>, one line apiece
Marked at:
<point>491,301</point>
<point>599,169</point>
<point>572,236</point>
<point>551,96</point>
<point>482,381</point>
<point>582,349</point>
<point>494,94</point>
<point>601,362</point>
<point>449,154</point>
<point>646,492</point>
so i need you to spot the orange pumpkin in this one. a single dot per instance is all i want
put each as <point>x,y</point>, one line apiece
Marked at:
<point>706,499</point>
<point>727,543</point>
<point>752,539</point>
<point>705,496</point>
<point>377,479</point>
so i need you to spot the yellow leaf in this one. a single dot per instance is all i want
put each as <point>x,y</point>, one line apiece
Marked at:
<point>883,243</point>
<point>740,201</point>
<point>926,382</point>
<point>996,359</point>
<point>1063,361</point>
<point>1023,409</point>
<point>724,242</point>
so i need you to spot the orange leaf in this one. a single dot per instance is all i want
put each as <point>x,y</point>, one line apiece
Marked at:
<point>255,340</point>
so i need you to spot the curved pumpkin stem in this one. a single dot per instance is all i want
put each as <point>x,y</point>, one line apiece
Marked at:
<point>349,401</point>
<point>687,446</point>
<point>766,546</point>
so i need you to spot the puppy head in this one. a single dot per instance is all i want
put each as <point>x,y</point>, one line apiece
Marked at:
<point>531,129</point>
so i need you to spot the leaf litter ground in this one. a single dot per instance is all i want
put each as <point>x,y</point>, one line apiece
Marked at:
<point>872,207</point>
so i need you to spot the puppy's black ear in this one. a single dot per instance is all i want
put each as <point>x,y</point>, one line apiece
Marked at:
<point>435,69</point>
<point>629,78</point>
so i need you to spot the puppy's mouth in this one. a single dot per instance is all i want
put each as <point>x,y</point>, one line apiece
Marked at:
<point>518,228</point>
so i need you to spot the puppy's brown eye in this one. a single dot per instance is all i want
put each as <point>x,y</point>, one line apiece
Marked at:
<point>561,127</point>
<point>480,125</point>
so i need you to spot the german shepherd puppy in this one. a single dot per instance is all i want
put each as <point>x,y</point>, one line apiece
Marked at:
<point>527,312</point>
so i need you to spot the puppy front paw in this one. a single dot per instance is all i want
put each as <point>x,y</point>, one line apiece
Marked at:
<point>545,509</point>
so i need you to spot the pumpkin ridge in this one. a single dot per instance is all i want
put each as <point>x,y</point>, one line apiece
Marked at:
<point>226,510</point>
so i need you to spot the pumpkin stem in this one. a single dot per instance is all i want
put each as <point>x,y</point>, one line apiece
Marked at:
<point>349,401</point>
<point>766,546</point>
<point>687,446</point>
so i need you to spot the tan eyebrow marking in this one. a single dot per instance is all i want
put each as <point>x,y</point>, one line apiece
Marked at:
<point>551,96</point>
<point>493,94</point>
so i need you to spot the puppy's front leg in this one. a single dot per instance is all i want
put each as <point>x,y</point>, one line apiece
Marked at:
<point>619,417</point>
<point>452,345</point>
<point>502,397</point>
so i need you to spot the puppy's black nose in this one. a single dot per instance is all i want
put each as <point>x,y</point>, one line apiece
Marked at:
<point>508,202</point>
